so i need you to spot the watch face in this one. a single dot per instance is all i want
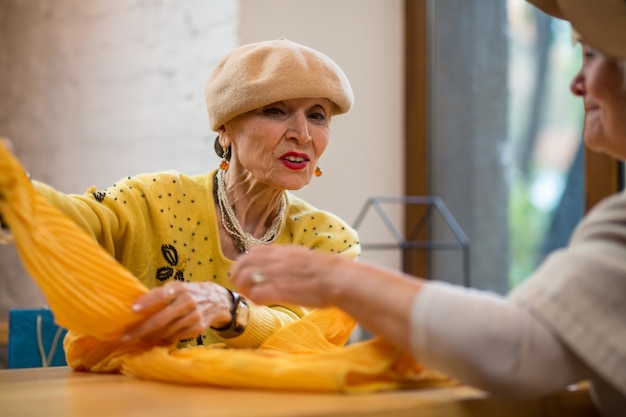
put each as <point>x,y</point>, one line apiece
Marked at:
<point>242,315</point>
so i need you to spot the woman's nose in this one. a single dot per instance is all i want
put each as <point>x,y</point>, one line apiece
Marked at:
<point>577,86</point>
<point>299,129</point>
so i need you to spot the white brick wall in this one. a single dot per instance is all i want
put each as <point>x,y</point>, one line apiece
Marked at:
<point>92,91</point>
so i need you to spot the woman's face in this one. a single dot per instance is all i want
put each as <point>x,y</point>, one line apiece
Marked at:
<point>280,144</point>
<point>600,83</point>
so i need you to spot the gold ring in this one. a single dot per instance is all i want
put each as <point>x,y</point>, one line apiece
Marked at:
<point>258,277</point>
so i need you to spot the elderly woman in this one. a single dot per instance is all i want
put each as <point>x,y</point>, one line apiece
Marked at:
<point>272,103</point>
<point>565,324</point>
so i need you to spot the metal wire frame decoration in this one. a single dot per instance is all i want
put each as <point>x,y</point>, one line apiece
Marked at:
<point>461,241</point>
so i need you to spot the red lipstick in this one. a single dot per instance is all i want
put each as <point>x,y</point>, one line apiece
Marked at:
<point>294,160</point>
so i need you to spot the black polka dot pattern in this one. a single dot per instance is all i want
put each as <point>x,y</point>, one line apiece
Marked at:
<point>164,227</point>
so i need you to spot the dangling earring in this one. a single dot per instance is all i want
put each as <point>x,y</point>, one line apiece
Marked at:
<point>224,163</point>
<point>318,171</point>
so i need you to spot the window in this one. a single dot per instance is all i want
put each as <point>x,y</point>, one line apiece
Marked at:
<point>495,132</point>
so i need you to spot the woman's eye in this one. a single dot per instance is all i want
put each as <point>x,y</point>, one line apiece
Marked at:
<point>589,53</point>
<point>273,111</point>
<point>318,116</point>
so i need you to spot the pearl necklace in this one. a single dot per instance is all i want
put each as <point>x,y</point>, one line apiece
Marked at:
<point>241,238</point>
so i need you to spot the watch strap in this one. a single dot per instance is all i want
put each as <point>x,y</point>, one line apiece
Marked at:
<point>237,325</point>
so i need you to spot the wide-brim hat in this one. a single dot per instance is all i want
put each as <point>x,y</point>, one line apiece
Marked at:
<point>601,23</point>
<point>261,73</point>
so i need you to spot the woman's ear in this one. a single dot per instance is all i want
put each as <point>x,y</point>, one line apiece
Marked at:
<point>223,137</point>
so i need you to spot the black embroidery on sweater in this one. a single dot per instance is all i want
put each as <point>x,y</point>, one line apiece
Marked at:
<point>99,196</point>
<point>164,273</point>
<point>170,254</point>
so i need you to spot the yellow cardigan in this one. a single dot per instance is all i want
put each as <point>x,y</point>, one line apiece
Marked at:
<point>164,227</point>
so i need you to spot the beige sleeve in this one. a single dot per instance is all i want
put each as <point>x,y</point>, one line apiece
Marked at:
<point>483,340</point>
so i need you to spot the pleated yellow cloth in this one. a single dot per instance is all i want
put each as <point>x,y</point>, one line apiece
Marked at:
<point>94,303</point>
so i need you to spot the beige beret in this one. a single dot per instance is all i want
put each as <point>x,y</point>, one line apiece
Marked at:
<point>261,73</point>
<point>601,23</point>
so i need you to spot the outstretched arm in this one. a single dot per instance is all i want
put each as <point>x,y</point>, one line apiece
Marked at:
<point>475,336</point>
<point>380,299</point>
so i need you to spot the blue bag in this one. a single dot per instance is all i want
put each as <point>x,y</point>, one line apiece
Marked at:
<point>35,340</point>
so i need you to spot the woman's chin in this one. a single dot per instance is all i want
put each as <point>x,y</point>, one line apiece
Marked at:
<point>594,138</point>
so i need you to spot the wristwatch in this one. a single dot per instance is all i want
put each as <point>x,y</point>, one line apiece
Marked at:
<point>240,313</point>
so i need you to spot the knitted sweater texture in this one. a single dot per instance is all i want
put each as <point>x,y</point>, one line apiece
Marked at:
<point>164,226</point>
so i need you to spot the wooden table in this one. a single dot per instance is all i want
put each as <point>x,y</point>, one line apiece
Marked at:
<point>59,391</point>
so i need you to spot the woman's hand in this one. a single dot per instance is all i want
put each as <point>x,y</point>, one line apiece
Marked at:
<point>8,144</point>
<point>180,310</point>
<point>292,274</point>
<point>379,298</point>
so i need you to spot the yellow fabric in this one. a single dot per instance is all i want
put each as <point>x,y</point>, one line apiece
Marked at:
<point>64,261</point>
<point>95,304</point>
